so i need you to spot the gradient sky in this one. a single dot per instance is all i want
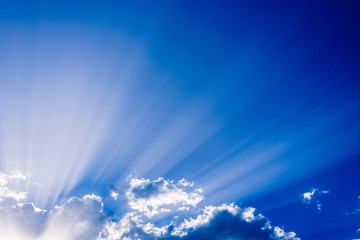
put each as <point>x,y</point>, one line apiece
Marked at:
<point>256,102</point>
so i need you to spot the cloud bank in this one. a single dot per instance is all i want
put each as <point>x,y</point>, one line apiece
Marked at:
<point>227,221</point>
<point>83,218</point>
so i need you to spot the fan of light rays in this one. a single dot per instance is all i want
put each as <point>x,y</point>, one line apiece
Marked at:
<point>72,102</point>
<point>59,97</point>
<point>86,104</point>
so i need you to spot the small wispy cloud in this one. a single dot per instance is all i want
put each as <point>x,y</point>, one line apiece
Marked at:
<point>312,197</point>
<point>356,210</point>
<point>114,191</point>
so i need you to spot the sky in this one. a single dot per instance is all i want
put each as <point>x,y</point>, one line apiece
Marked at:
<point>179,120</point>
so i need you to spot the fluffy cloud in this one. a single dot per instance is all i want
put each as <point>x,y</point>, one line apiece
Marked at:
<point>21,221</point>
<point>76,219</point>
<point>131,227</point>
<point>312,197</point>
<point>8,194</point>
<point>231,222</point>
<point>152,197</point>
<point>83,218</point>
<point>18,219</point>
<point>214,223</point>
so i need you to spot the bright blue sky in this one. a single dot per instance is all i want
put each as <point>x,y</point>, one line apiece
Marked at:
<point>256,102</point>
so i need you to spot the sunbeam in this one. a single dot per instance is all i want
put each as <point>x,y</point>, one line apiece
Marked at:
<point>168,120</point>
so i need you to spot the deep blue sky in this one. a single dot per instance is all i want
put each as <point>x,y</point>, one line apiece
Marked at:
<point>255,101</point>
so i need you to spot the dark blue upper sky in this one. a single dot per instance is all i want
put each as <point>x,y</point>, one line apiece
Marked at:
<point>256,101</point>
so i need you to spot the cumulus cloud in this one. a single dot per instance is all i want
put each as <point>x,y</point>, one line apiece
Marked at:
<point>213,223</point>
<point>8,194</point>
<point>83,218</point>
<point>131,227</point>
<point>312,197</point>
<point>149,197</point>
<point>76,219</point>
<point>21,221</point>
<point>18,218</point>
<point>233,222</point>
<point>152,197</point>
<point>230,221</point>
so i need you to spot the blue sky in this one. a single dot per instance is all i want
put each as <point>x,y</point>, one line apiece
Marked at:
<point>106,106</point>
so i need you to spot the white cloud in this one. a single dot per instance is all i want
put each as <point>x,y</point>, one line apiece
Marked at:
<point>237,223</point>
<point>114,194</point>
<point>131,227</point>
<point>152,197</point>
<point>208,213</point>
<point>281,234</point>
<point>18,218</point>
<point>228,221</point>
<point>8,194</point>
<point>313,197</point>
<point>214,222</point>
<point>76,219</point>
<point>21,221</point>
<point>83,218</point>
<point>183,182</point>
<point>308,195</point>
<point>114,191</point>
